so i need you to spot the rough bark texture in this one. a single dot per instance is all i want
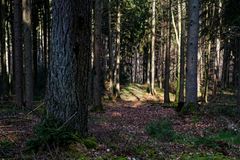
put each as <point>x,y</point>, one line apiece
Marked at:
<point>28,52</point>
<point>18,52</point>
<point>67,94</point>
<point>192,52</point>
<point>98,56</point>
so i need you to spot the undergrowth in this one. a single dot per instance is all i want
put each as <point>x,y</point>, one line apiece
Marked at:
<point>161,130</point>
<point>50,134</point>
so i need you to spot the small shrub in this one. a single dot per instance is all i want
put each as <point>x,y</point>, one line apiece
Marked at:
<point>205,141</point>
<point>228,136</point>
<point>48,133</point>
<point>90,142</point>
<point>161,130</point>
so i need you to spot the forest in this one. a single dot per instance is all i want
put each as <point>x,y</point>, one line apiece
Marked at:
<point>120,79</point>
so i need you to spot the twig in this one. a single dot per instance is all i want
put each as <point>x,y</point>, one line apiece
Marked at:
<point>40,105</point>
<point>67,121</point>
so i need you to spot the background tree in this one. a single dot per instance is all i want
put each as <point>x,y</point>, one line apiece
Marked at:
<point>192,52</point>
<point>18,52</point>
<point>26,4</point>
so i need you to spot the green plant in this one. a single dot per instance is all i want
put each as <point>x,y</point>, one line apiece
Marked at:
<point>228,136</point>
<point>52,133</point>
<point>161,130</point>
<point>90,142</point>
<point>6,144</point>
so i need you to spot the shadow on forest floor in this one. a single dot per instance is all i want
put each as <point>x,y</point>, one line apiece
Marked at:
<point>138,127</point>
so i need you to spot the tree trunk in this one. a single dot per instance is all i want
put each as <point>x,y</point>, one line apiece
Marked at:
<point>110,48</point>
<point>98,56</point>
<point>182,56</point>
<point>4,74</point>
<point>192,52</point>
<point>18,52</point>
<point>167,59</point>
<point>35,42</point>
<point>238,88</point>
<point>67,92</point>
<point>117,55</point>
<point>152,90</point>
<point>28,52</point>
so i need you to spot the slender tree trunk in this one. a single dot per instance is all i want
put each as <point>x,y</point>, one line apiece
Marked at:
<point>11,5</point>
<point>3,27</point>
<point>207,66</point>
<point>35,41</point>
<point>67,92</point>
<point>182,56</point>
<point>167,59</point>
<point>117,54</point>
<point>238,92</point>
<point>110,48</point>
<point>18,52</point>
<point>98,55</point>
<point>28,52</point>
<point>152,90</point>
<point>192,52</point>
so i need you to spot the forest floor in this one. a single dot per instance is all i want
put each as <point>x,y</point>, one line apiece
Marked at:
<point>135,127</point>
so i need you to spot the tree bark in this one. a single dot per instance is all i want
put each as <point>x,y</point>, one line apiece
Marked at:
<point>110,48</point>
<point>167,59</point>
<point>26,4</point>
<point>67,92</point>
<point>98,56</point>
<point>152,90</point>
<point>192,52</point>
<point>117,55</point>
<point>182,56</point>
<point>18,52</point>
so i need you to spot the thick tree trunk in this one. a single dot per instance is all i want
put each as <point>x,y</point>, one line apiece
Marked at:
<point>28,52</point>
<point>98,56</point>
<point>18,52</point>
<point>192,52</point>
<point>67,92</point>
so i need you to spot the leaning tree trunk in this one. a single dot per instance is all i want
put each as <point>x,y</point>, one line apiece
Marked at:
<point>28,52</point>
<point>192,52</point>
<point>67,92</point>
<point>18,52</point>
